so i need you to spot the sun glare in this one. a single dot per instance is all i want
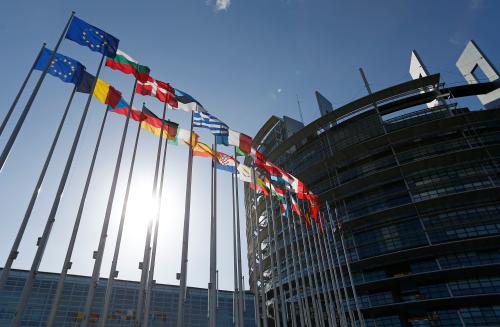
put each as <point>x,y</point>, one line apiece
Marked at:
<point>141,206</point>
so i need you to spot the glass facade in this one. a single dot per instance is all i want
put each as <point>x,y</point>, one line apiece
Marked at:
<point>416,191</point>
<point>123,304</point>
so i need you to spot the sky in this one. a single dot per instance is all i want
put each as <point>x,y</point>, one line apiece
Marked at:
<point>243,60</point>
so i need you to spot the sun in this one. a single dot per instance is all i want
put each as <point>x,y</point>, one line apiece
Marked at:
<point>141,206</point>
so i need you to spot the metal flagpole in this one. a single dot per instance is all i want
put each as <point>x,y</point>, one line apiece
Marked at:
<point>24,113</point>
<point>324,278</point>
<point>332,280</point>
<point>274,280</point>
<point>98,255</point>
<point>144,265</point>
<point>278,262</point>
<point>236,294</point>
<point>298,279</point>
<point>212,293</point>
<point>278,259</point>
<point>185,236</point>
<point>358,309</point>
<point>42,242</point>
<point>311,271</point>
<point>15,247</point>
<point>341,271</point>
<point>322,271</point>
<point>113,273</point>
<point>238,245</point>
<point>317,270</point>
<point>338,292</point>
<point>289,277</point>
<point>254,257</point>
<point>13,106</point>
<point>67,261</point>
<point>299,259</point>
<point>150,282</point>
<point>259,252</point>
<point>312,286</point>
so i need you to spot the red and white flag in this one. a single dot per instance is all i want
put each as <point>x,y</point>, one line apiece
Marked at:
<point>161,90</point>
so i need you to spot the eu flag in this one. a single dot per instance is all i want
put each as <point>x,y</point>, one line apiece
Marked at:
<point>67,69</point>
<point>92,37</point>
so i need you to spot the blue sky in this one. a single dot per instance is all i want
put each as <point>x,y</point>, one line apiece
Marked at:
<point>244,60</point>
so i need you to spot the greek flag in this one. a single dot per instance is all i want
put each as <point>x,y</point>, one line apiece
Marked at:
<point>216,127</point>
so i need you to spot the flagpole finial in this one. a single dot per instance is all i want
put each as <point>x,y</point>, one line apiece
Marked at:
<point>73,12</point>
<point>44,44</point>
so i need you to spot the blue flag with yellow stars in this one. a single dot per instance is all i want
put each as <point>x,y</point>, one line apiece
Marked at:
<point>67,69</point>
<point>92,37</point>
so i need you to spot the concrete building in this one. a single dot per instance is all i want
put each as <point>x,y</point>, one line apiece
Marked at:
<point>70,313</point>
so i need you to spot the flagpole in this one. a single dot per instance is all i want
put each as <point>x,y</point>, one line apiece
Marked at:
<point>42,242</point>
<point>67,261</point>
<point>185,236</point>
<point>98,255</point>
<point>236,294</point>
<point>292,222</point>
<point>113,273</point>
<point>270,220</point>
<point>356,303</point>
<point>16,99</point>
<point>278,259</point>
<point>259,251</point>
<point>324,278</point>
<point>277,318</point>
<point>336,280</point>
<point>144,266</point>
<point>15,247</point>
<point>326,298</point>
<point>238,245</point>
<point>150,281</point>
<point>24,113</point>
<point>341,271</point>
<point>212,293</point>
<point>312,280</point>
<point>254,256</point>
<point>297,278</point>
<point>333,279</point>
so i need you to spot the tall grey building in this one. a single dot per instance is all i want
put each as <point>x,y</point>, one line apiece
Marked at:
<point>416,191</point>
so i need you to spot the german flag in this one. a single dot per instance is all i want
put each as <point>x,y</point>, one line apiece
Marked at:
<point>153,124</point>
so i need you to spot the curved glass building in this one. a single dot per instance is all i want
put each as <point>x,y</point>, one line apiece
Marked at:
<point>415,191</point>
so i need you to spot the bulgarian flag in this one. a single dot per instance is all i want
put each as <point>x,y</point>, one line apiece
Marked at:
<point>128,65</point>
<point>240,140</point>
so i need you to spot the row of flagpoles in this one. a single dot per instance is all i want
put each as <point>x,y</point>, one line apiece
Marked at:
<point>285,187</point>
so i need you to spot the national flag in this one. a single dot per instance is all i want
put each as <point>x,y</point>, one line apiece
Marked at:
<point>106,93</point>
<point>186,102</point>
<point>128,65</point>
<point>296,209</point>
<point>92,37</point>
<point>202,150</point>
<point>65,68</point>
<point>268,166</point>
<point>123,107</point>
<point>214,124</point>
<point>184,135</point>
<point>239,153</point>
<point>244,173</point>
<point>225,162</point>
<point>161,90</point>
<point>261,186</point>
<point>154,125</point>
<point>284,208</point>
<point>240,140</point>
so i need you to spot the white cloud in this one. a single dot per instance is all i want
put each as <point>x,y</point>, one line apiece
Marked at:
<point>222,4</point>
